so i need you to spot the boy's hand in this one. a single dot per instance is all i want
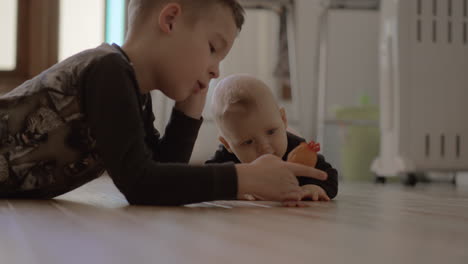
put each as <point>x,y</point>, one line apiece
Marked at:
<point>270,178</point>
<point>193,105</point>
<point>314,192</point>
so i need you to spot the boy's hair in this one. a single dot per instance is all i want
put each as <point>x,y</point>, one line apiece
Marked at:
<point>139,10</point>
<point>238,95</point>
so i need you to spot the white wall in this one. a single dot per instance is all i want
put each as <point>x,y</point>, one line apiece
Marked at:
<point>306,25</point>
<point>462,179</point>
<point>352,61</point>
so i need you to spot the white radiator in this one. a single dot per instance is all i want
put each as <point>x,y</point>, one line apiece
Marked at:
<point>423,87</point>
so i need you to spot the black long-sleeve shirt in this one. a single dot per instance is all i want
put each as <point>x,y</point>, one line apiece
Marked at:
<point>222,155</point>
<point>142,164</point>
<point>85,115</point>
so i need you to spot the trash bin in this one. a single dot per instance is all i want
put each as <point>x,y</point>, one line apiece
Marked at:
<point>360,128</point>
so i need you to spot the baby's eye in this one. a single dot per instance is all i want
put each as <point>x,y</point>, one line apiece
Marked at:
<point>212,48</point>
<point>248,142</point>
<point>271,131</point>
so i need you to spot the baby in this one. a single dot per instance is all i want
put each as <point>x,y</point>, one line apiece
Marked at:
<point>251,124</point>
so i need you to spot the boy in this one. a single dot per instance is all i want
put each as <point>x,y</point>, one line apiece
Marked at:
<point>92,112</point>
<point>251,125</point>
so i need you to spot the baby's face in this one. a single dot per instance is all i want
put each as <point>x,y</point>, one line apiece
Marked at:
<point>255,133</point>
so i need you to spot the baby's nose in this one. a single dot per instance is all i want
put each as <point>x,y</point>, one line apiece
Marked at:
<point>265,148</point>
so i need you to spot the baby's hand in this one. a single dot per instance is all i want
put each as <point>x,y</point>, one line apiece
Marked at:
<point>249,197</point>
<point>314,192</point>
<point>295,204</point>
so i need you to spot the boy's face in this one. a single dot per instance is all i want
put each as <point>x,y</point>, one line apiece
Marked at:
<point>256,133</point>
<point>194,51</point>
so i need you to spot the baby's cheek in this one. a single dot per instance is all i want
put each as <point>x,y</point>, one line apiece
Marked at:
<point>281,146</point>
<point>246,155</point>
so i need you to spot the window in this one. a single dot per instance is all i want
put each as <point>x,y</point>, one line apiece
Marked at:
<point>28,43</point>
<point>81,26</point>
<point>37,34</point>
<point>8,29</point>
<point>85,24</point>
<point>115,21</point>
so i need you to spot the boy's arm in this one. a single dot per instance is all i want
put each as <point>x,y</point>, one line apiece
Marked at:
<point>181,131</point>
<point>193,106</point>
<point>331,184</point>
<point>111,106</point>
<point>179,138</point>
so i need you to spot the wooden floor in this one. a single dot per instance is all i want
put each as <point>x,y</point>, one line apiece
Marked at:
<point>365,224</point>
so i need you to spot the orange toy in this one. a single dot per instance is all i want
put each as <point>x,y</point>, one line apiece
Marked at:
<point>305,154</point>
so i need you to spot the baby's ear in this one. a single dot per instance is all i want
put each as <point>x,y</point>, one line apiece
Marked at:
<point>283,117</point>
<point>225,143</point>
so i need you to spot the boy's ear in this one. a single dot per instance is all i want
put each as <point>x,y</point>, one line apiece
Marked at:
<point>225,143</point>
<point>283,117</point>
<point>168,16</point>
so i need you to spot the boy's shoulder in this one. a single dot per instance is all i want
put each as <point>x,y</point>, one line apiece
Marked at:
<point>104,55</point>
<point>109,60</point>
<point>65,76</point>
<point>86,58</point>
<point>110,53</point>
<point>99,52</point>
<point>78,64</point>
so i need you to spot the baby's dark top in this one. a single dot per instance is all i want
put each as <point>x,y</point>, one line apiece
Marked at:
<point>222,155</point>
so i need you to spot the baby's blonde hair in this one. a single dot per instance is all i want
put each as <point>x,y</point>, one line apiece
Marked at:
<point>238,95</point>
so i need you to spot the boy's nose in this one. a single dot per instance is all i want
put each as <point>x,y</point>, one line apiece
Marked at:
<point>214,72</point>
<point>214,75</point>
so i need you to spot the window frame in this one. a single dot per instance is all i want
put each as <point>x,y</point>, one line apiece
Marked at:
<point>36,41</point>
<point>22,22</point>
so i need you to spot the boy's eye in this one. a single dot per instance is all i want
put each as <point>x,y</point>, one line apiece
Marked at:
<point>212,48</point>
<point>271,131</point>
<point>248,142</point>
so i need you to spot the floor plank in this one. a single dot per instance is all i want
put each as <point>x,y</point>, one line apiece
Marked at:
<point>366,224</point>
